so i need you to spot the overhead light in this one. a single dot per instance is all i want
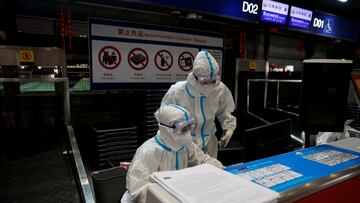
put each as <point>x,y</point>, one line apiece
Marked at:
<point>343,1</point>
<point>22,67</point>
<point>191,16</point>
<point>175,13</point>
<point>39,67</point>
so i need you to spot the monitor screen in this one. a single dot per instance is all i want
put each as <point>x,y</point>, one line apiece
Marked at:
<point>324,95</point>
<point>300,18</point>
<point>274,12</point>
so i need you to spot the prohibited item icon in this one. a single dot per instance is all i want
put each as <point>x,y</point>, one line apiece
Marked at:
<point>185,61</point>
<point>109,57</point>
<point>163,60</point>
<point>138,58</point>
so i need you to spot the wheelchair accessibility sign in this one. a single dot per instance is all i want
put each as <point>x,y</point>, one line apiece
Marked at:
<point>109,57</point>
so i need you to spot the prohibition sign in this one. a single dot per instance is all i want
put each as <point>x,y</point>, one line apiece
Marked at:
<point>185,61</point>
<point>138,58</point>
<point>26,56</point>
<point>109,57</point>
<point>163,60</point>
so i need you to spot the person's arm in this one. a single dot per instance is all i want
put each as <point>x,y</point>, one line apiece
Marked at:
<point>138,176</point>
<point>226,107</point>
<point>197,156</point>
<point>226,119</point>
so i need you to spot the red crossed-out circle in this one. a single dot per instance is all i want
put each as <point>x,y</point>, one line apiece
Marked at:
<point>26,55</point>
<point>143,64</point>
<point>107,61</point>
<point>181,57</point>
<point>160,55</point>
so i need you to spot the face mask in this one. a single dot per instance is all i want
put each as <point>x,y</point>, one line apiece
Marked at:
<point>183,139</point>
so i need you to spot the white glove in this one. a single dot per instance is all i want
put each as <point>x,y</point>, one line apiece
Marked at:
<point>224,141</point>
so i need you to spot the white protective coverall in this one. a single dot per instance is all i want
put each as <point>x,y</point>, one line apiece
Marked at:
<point>204,103</point>
<point>163,152</point>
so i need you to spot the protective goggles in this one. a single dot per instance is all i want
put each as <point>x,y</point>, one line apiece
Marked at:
<point>207,81</point>
<point>181,127</point>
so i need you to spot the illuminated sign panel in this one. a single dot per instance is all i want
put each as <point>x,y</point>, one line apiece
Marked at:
<point>274,12</point>
<point>300,18</point>
<point>333,26</point>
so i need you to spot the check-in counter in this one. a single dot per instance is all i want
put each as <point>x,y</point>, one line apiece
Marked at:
<point>325,173</point>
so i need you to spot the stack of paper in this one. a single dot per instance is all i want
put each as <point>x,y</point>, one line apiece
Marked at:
<point>206,183</point>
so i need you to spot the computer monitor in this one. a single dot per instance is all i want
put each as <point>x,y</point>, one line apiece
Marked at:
<point>267,140</point>
<point>324,93</point>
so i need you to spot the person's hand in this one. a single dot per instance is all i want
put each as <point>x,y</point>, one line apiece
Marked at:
<point>224,141</point>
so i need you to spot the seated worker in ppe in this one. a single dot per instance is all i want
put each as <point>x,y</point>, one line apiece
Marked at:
<point>205,96</point>
<point>171,149</point>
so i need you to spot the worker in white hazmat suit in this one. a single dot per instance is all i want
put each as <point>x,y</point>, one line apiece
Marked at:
<point>205,97</point>
<point>170,149</point>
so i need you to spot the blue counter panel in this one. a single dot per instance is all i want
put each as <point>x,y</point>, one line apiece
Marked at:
<point>290,170</point>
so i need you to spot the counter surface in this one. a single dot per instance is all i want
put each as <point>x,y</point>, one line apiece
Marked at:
<point>295,174</point>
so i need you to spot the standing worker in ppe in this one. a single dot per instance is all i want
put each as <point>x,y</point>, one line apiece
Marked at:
<point>171,149</point>
<point>206,97</point>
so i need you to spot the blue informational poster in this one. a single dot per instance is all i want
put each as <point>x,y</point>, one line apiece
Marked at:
<point>287,171</point>
<point>300,18</point>
<point>246,10</point>
<point>334,26</point>
<point>274,12</point>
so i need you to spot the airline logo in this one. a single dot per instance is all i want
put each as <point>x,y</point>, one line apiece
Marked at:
<point>275,7</point>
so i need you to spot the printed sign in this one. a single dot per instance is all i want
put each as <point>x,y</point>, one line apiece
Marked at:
<point>252,65</point>
<point>185,61</point>
<point>138,58</point>
<point>274,12</point>
<point>290,170</point>
<point>26,56</point>
<point>333,26</point>
<point>109,57</point>
<point>163,60</point>
<point>154,56</point>
<point>300,18</point>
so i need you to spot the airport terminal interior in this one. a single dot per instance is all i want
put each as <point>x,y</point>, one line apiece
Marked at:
<point>80,81</point>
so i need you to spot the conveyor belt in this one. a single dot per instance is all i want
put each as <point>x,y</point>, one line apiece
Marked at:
<point>43,177</point>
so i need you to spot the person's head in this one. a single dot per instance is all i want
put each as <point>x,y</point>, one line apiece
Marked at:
<point>175,124</point>
<point>205,75</point>
<point>206,69</point>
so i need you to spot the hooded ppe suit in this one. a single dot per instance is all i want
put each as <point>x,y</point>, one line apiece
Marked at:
<point>204,103</point>
<point>166,151</point>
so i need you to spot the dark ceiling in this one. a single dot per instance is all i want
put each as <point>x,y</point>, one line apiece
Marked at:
<point>118,9</point>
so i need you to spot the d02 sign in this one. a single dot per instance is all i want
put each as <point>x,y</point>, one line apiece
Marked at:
<point>250,7</point>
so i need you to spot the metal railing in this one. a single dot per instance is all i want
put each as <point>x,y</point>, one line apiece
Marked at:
<point>277,81</point>
<point>85,189</point>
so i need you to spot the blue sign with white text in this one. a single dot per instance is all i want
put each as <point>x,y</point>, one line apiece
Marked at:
<point>274,12</point>
<point>300,18</point>
<point>288,171</point>
<point>247,10</point>
<point>333,26</point>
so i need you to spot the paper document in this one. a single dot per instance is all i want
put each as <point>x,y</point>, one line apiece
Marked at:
<point>206,183</point>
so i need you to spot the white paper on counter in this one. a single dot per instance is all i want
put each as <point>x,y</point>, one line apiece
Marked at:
<point>208,184</point>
